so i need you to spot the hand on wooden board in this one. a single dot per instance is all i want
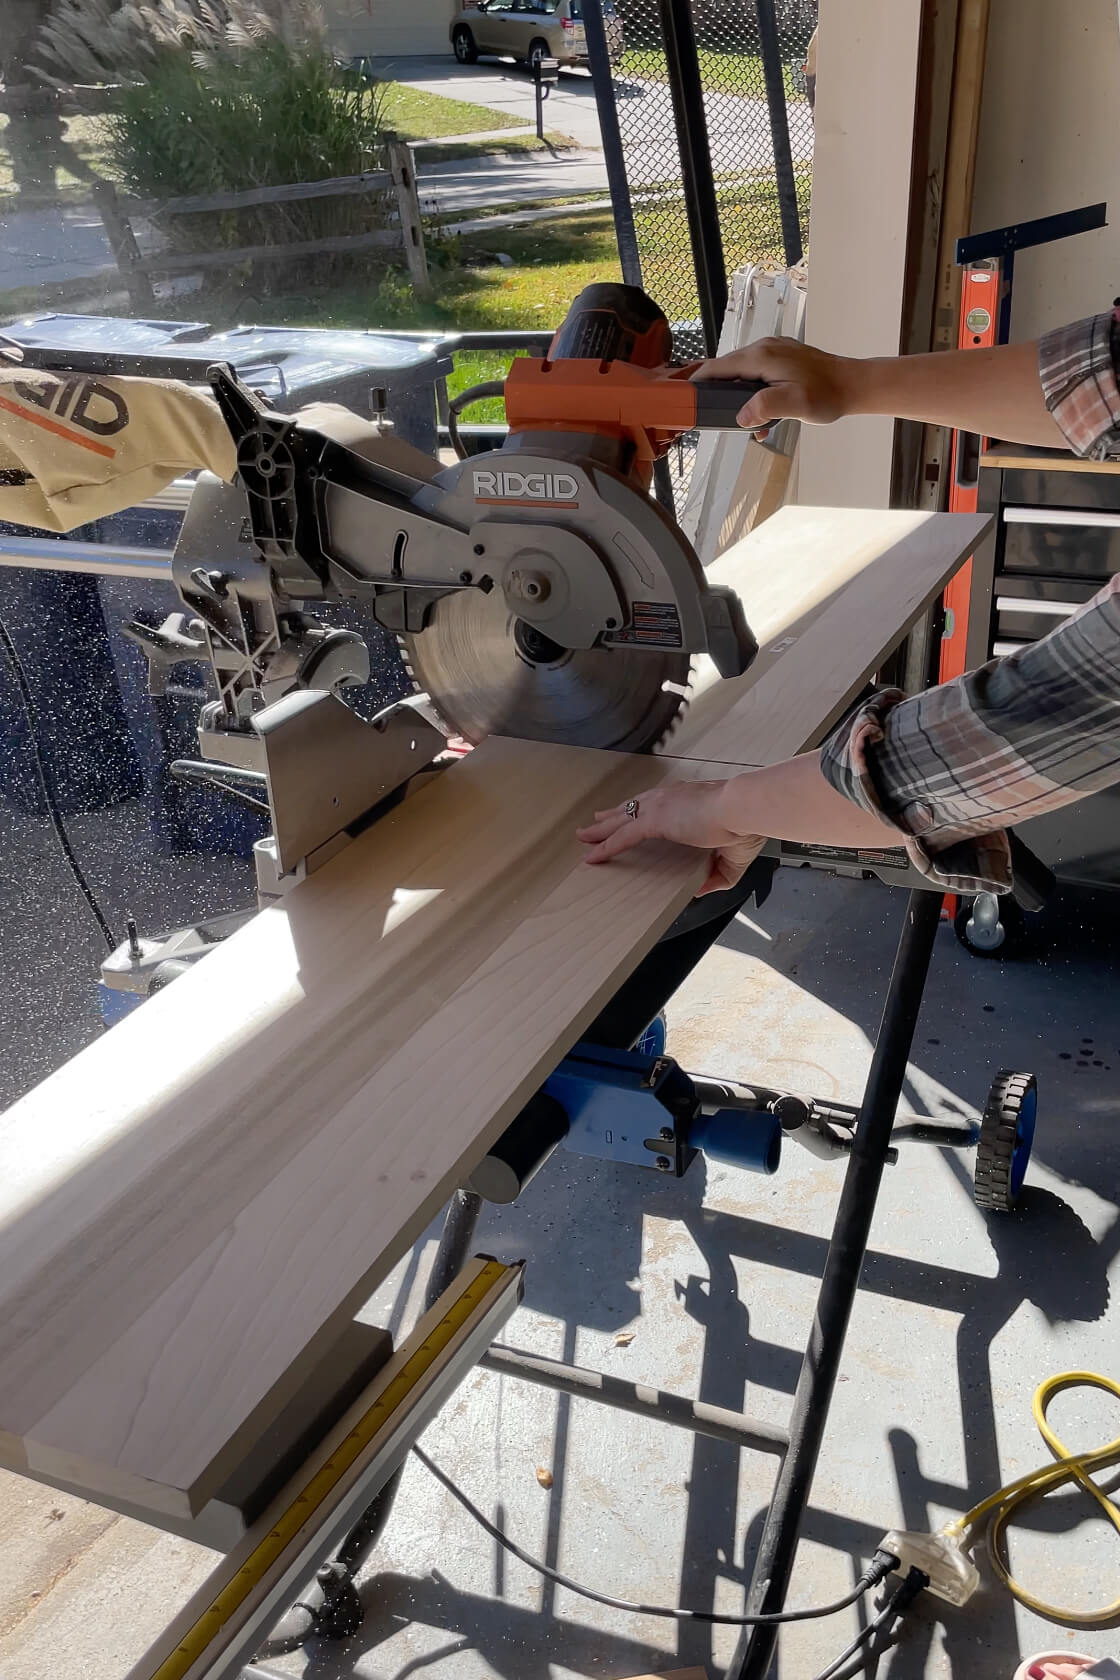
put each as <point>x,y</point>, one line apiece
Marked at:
<point>687,812</point>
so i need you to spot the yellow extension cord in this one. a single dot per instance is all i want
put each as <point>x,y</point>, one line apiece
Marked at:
<point>1002,1505</point>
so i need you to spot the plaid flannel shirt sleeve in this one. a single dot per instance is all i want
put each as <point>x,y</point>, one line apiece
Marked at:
<point>954,767</point>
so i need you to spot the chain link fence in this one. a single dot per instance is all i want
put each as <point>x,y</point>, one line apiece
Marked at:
<point>685,220</point>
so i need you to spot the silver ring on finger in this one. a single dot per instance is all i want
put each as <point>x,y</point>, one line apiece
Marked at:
<point>631,808</point>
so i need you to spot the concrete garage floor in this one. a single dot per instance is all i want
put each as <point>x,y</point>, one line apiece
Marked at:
<point>959,1318</point>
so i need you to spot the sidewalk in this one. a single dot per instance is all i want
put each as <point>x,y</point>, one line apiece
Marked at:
<point>38,247</point>
<point>474,184</point>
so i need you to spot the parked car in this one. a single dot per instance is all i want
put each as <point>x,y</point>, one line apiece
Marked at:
<point>530,30</point>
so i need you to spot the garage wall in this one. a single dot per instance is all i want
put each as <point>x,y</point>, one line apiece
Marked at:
<point>867,66</point>
<point>1050,141</point>
<point>388,28</point>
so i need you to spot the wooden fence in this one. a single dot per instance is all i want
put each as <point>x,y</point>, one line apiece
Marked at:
<point>118,212</point>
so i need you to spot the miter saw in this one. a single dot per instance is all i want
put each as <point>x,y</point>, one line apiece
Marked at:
<point>537,590</point>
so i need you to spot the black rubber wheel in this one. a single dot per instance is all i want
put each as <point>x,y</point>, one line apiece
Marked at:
<point>1006,1136</point>
<point>463,42</point>
<point>538,49</point>
<point>990,926</point>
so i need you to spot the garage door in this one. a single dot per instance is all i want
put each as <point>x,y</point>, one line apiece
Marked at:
<point>391,28</point>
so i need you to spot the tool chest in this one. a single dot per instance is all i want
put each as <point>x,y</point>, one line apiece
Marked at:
<point>1054,543</point>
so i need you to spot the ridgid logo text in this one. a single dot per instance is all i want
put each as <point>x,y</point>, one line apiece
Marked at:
<point>525,487</point>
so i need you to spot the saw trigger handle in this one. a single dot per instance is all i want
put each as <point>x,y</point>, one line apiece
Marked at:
<point>718,401</point>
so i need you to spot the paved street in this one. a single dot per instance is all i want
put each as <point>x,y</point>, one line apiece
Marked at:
<point>65,243</point>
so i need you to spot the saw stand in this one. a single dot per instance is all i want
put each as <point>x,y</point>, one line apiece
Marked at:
<point>325,776</point>
<point>868,1136</point>
<point>324,785</point>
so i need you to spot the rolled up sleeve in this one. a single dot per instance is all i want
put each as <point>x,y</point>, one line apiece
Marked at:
<point>1078,368</point>
<point>953,768</point>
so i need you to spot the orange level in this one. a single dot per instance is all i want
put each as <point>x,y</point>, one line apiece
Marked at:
<point>980,297</point>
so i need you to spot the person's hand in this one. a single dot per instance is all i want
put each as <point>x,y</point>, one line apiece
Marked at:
<point>687,812</point>
<point>801,383</point>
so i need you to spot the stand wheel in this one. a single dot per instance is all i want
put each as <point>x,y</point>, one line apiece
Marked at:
<point>1006,1136</point>
<point>990,925</point>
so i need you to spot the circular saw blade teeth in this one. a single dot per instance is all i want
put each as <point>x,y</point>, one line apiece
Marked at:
<point>468,663</point>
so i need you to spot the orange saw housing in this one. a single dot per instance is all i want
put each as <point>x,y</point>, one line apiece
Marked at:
<point>607,374</point>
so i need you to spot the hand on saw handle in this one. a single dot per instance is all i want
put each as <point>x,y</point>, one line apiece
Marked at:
<point>993,393</point>
<point>797,382</point>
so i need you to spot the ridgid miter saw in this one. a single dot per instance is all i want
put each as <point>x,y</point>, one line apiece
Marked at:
<point>537,590</point>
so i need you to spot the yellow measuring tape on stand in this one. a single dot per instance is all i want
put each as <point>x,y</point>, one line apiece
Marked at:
<point>1002,1505</point>
<point>280,1536</point>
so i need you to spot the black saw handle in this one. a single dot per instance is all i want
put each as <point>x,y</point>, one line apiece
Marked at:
<point>718,401</point>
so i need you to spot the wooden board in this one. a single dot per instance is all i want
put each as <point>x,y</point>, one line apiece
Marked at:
<point>191,1208</point>
<point>1009,455</point>
<point>822,638</point>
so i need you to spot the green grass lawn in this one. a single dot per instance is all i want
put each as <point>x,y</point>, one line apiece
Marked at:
<point>416,115</point>
<point>721,71</point>
<point>89,138</point>
<point>552,261</point>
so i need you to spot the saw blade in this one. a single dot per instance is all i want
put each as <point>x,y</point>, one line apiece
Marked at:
<point>488,673</point>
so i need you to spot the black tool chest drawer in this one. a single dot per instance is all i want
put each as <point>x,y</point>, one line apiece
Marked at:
<point>1049,561</point>
<point>1056,543</point>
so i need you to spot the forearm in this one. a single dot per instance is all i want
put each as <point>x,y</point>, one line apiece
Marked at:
<point>793,801</point>
<point>996,392</point>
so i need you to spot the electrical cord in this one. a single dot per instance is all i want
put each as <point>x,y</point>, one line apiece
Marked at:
<point>916,1581</point>
<point>473,394</point>
<point>1002,1505</point>
<point>879,1568</point>
<point>31,715</point>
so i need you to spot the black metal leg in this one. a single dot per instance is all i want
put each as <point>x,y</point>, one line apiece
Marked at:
<point>331,1608</point>
<point>839,1283</point>
<point>459,1227</point>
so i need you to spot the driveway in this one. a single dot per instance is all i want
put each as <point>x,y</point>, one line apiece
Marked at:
<point>738,126</point>
<point>570,108</point>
